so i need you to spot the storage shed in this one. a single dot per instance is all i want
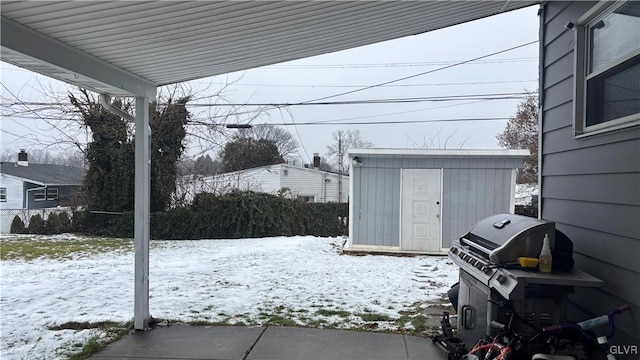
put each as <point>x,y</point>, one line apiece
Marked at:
<point>417,200</point>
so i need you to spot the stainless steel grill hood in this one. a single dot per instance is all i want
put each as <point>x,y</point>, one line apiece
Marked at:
<point>503,238</point>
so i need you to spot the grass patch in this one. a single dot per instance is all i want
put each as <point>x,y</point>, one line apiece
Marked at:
<point>74,325</point>
<point>27,249</point>
<point>280,320</point>
<point>113,330</point>
<point>326,312</point>
<point>370,316</point>
<point>90,347</point>
<point>418,322</point>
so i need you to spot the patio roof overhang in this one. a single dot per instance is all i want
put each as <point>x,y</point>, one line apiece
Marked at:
<point>124,48</point>
<point>128,48</point>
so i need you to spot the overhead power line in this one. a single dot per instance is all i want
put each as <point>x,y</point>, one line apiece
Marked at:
<point>383,86</point>
<point>396,64</point>
<point>390,122</point>
<point>422,73</point>
<point>494,96</point>
<point>320,122</point>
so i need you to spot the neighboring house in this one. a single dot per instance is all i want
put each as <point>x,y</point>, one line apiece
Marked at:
<point>310,185</point>
<point>590,148</point>
<point>35,186</point>
<point>417,200</point>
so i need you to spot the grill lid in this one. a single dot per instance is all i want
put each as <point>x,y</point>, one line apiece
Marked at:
<point>503,238</point>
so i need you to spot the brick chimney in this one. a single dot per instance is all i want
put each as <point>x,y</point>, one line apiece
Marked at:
<point>22,158</point>
<point>316,160</point>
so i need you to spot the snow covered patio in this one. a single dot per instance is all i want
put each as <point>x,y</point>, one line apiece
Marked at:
<point>293,281</point>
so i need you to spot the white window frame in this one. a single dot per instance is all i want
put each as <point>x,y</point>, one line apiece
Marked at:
<point>52,194</point>
<point>581,64</point>
<point>3,194</point>
<point>40,194</point>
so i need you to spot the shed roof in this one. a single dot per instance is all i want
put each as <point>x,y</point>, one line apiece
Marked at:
<point>129,47</point>
<point>439,153</point>
<point>44,174</point>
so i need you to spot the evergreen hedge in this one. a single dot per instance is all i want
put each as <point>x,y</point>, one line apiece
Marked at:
<point>36,225</point>
<point>17,226</point>
<point>235,215</point>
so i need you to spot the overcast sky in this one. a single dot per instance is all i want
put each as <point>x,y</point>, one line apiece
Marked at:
<point>331,74</point>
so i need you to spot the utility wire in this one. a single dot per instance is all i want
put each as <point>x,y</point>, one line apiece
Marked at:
<point>397,64</point>
<point>331,122</point>
<point>315,123</point>
<point>383,86</point>
<point>494,96</point>
<point>420,74</point>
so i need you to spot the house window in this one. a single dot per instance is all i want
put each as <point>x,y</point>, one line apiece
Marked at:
<point>306,199</point>
<point>52,193</point>
<point>40,195</point>
<point>286,172</point>
<point>607,73</point>
<point>3,194</point>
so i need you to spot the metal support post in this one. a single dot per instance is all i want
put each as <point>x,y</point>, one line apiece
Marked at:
<point>142,211</point>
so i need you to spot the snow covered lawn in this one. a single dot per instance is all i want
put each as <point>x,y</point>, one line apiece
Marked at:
<point>281,280</point>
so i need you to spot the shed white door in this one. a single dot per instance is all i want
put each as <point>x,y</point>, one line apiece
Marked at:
<point>420,212</point>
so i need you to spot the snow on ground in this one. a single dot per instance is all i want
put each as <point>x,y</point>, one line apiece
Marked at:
<point>525,192</point>
<point>245,280</point>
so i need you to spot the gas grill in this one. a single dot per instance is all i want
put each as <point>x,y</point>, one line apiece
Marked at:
<point>486,256</point>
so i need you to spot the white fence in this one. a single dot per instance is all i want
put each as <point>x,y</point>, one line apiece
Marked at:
<point>6,216</point>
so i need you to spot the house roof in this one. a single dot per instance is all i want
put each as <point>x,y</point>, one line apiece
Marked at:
<point>270,168</point>
<point>44,174</point>
<point>130,47</point>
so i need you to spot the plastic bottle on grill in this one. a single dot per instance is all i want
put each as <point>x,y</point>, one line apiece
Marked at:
<point>545,259</point>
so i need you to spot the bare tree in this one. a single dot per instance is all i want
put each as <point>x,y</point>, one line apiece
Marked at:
<point>54,123</point>
<point>283,139</point>
<point>343,141</point>
<point>71,157</point>
<point>435,141</point>
<point>521,132</point>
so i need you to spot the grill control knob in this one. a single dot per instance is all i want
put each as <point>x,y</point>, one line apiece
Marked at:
<point>454,250</point>
<point>501,278</point>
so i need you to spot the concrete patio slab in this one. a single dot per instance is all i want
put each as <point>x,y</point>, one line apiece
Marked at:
<point>185,342</point>
<point>179,342</point>
<point>319,344</point>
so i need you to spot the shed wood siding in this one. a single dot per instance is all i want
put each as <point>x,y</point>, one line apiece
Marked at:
<point>470,195</point>
<point>473,188</point>
<point>589,185</point>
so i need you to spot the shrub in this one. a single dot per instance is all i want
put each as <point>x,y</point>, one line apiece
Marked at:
<point>36,225</point>
<point>234,215</point>
<point>64,221</point>
<point>52,224</point>
<point>17,226</point>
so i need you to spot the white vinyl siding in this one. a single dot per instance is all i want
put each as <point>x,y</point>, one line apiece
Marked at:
<point>311,184</point>
<point>13,190</point>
